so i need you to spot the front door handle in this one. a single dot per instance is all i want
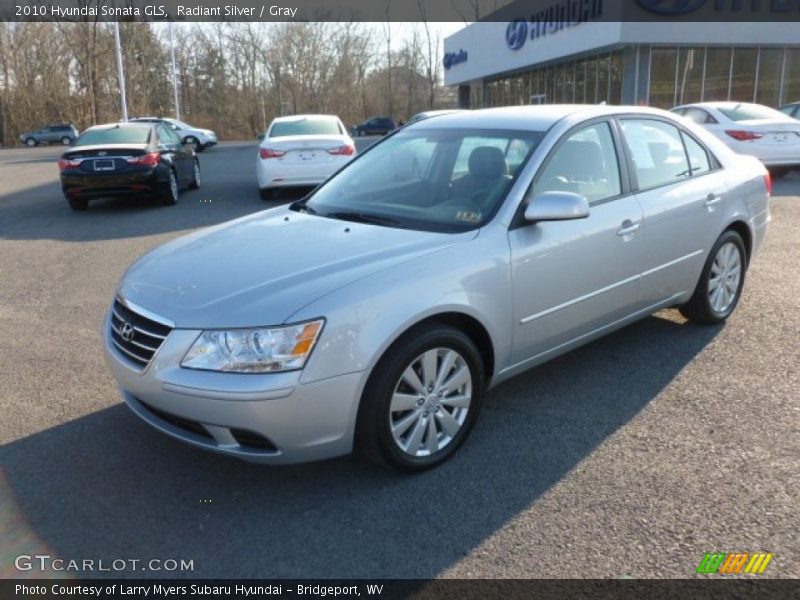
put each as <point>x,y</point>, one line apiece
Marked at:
<point>712,199</point>
<point>628,227</point>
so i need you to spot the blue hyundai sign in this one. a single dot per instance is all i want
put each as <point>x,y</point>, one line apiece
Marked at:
<point>517,33</point>
<point>455,58</point>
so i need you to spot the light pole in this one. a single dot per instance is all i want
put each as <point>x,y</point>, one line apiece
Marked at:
<point>174,74</point>
<point>120,72</point>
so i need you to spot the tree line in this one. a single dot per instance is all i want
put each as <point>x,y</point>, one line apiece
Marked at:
<point>232,77</point>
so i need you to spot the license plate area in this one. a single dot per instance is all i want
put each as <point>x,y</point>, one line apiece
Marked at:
<point>104,164</point>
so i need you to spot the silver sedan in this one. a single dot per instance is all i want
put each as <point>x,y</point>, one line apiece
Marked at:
<point>375,313</point>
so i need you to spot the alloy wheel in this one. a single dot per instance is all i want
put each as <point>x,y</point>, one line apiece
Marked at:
<point>724,278</point>
<point>430,402</point>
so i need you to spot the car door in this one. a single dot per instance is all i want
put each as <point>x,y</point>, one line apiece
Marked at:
<point>573,278</point>
<point>681,188</point>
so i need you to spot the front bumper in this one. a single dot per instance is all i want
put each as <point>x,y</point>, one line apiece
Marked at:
<point>271,418</point>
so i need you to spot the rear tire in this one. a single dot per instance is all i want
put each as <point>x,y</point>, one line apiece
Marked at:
<point>195,143</point>
<point>169,195</point>
<point>421,400</point>
<point>65,141</point>
<point>30,142</point>
<point>78,204</point>
<point>721,282</point>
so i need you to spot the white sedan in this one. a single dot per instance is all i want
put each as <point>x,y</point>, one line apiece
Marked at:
<point>302,151</point>
<point>754,129</point>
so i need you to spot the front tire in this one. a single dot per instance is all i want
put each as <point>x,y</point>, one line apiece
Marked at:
<point>422,399</point>
<point>65,141</point>
<point>721,282</point>
<point>30,142</point>
<point>169,196</point>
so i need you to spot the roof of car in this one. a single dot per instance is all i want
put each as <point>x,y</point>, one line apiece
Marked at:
<point>299,117</point>
<point>536,117</point>
<point>136,124</point>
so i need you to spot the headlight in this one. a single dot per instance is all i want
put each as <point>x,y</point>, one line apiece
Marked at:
<point>260,350</point>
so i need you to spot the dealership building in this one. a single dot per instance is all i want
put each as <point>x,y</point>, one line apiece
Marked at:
<point>527,61</point>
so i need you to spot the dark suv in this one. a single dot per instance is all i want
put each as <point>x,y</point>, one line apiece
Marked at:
<point>61,134</point>
<point>374,126</point>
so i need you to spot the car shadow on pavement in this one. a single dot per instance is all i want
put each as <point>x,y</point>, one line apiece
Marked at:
<point>107,486</point>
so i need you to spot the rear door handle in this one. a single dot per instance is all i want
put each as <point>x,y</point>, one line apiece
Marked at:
<point>628,227</point>
<point>712,199</point>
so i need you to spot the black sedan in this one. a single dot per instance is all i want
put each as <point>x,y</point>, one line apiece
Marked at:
<point>127,158</point>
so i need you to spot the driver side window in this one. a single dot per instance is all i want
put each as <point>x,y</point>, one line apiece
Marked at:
<point>584,163</point>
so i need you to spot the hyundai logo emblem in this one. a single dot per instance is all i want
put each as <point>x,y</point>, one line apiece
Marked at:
<point>516,33</point>
<point>671,7</point>
<point>126,331</point>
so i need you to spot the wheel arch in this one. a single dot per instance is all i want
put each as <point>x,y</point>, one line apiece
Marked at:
<point>743,229</point>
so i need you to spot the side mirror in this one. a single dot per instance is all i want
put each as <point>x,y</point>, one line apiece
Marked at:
<point>556,206</point>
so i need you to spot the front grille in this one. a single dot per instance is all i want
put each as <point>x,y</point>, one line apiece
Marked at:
<point>251,439</point>
<point>136,337</point>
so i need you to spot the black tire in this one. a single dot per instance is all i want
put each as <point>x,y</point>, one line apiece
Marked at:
<point>65,141</point>
<point>30,142</point>
<point>699,308</point>
<point>195,182</point>
<point>78,204</point>
<point>374,438</point>
<point>266,194</point>
<point>198,147</point>
<point>169,193</point>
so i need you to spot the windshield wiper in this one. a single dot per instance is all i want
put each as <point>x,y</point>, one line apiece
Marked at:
<point>359,217</point>
<point>302,206</point>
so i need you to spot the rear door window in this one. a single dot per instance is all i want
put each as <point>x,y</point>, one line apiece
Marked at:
<point>657,151</point>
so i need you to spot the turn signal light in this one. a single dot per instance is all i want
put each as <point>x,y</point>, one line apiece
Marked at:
<point>346,150</point>
<point>266,153</point>
<point>743,135</point>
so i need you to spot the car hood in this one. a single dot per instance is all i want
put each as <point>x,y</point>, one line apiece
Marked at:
<point>260,269</point>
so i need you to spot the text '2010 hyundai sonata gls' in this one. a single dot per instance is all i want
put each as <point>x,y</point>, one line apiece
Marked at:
<point>459,251</point>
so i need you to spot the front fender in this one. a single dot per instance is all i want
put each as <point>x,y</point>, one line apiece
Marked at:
<point>364,319</point>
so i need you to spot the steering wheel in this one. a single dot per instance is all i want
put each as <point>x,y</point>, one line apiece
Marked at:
<point>465,203</point>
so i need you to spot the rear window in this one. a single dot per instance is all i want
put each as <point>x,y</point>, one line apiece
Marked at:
<point>304,127</point>
<point>745,112</point>
<point>115,135</point>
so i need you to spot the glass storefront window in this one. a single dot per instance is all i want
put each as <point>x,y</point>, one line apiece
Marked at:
<point>744,74</point>
<point>615,78</point>
<point>602,78</point>
<point>791,84</point>
<point>690,74</point>
<point>770,64</point>
<point>580,82</point>
<point>718,73</point>
<point>663,62</point>
<point>591,81</point>
<point>569,83</point>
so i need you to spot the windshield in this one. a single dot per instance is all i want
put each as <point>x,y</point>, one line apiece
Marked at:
<point>304,127</point>
<point>115,135</point>
<point>746,112</point>
<point>446,180</point>
<point>178,124</point>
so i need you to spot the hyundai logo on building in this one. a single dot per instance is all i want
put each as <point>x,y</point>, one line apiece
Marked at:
<point>517,33</point>
<point>454,58</point>
<point>671,7</point>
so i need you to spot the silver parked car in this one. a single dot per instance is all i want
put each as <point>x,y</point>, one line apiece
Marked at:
<point>454,254</point>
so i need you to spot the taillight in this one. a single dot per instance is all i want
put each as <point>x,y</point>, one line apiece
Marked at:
<point>743,135</point>
<point>65,163</point>
<point>146,160</point>
<point>266,153</point>
<point>346,150</point>
<point>768,183</point>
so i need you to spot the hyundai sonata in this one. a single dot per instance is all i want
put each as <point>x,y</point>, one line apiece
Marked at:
<point>376,312</point>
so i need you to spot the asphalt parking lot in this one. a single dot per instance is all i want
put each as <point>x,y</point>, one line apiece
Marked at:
<point>631,457</point>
